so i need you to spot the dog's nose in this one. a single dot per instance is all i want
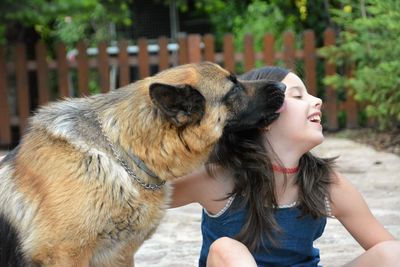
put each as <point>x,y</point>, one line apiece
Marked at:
<point>281,86</point>
<point>282,108</point>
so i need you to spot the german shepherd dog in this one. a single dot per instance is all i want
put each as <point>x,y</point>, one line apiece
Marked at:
<point>86,185</point>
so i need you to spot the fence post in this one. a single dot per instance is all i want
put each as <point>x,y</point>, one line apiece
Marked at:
<point>194,49</point>
<point>83,70</point>
<point>123,63</point>
<point>209,47</point>
<point>62,71</point>
<point>163,54</point>
<point>249,56</point>
<point>5,122</point>
<point>310,62</point>
<point>143,58</point>
<point>331,103</point>
<point>103,67</point>
<point>269,51</point>
<point>183,50</point>
<point>42,73</point>
<point>229,53</point>
<point>350,104</point>
<point>22,86</point>
<point>289,51</point>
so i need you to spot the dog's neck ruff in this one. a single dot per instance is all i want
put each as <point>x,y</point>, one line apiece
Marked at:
<point>136,159</point>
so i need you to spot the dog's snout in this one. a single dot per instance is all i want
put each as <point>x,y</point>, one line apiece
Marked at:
<point>281,86</point>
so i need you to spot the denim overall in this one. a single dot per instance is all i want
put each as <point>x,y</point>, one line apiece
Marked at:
<point>295,247</point>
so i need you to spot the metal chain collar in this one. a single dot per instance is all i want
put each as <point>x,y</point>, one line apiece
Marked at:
<point>152,187</point>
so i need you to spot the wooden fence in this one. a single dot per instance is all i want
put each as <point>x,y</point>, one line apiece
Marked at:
<point>18,89</point>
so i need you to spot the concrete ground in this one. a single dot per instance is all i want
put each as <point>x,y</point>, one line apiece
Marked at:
<point>376,175</point>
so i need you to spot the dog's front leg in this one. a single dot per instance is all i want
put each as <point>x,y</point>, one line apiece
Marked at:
<point>63,256</point>
<point>121,257</point>
<point>125,257</point>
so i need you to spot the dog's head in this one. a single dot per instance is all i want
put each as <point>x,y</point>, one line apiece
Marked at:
<point>192,94</point>
<point>190,108</point>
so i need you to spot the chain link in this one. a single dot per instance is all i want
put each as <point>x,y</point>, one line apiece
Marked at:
<point>152,187</point>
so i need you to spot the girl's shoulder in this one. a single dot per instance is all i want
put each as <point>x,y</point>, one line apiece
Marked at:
<point>208,189</point>
<point>344,196</point>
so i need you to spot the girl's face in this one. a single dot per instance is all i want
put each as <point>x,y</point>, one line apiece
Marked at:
<point>299,124</point>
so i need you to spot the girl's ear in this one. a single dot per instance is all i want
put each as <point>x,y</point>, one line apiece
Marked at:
<point>182,105</point>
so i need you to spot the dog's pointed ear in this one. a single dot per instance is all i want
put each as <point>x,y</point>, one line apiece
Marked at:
<point>181,104</point>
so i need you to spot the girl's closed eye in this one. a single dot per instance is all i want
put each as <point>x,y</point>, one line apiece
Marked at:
<point>295,92</point>
<point>296,95</point>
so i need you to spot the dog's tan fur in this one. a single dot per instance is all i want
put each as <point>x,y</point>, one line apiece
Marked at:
<point>69,199</point>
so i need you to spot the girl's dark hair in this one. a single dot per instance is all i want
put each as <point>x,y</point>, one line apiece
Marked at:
<point>245,155</point>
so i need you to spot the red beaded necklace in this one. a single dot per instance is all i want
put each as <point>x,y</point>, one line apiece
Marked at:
<point>278,168</point>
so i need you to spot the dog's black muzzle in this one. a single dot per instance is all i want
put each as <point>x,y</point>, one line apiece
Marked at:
<point>262,106</point>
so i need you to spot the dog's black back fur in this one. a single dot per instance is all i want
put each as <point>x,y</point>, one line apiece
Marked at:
<point>10,255</point>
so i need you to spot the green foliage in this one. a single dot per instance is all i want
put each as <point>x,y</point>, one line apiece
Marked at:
<point>260,18</point>
<point>369,41</point>
<point>66,21</point>
<point>221,14</point>
<point>256,17</point>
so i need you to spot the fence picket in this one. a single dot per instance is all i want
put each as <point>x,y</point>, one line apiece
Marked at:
<point>21,72</point>
<point>351,104</point>
<point>183,50</point>
<point>163,54</point>
<point>249,55</point>
<point>310,62</point>
<point>209,47</point>
<point>62,71</point>
<point>123,60</point>
<point>42,73</point>
<point>194,50</point>
<point>229,53</point>
<point>5,120</point>
<point>83,70</point>
<point>103,67</point>
<point>269,51</point>
<point>143,57</point>
<point>289,52</point>
<point>331,103</point>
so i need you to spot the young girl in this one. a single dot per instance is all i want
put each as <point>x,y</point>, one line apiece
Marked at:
<point>266,198</point>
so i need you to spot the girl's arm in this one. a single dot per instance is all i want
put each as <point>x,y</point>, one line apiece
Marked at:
<point>200,187</point>
<point>349,207</point>
<point>188,189</point>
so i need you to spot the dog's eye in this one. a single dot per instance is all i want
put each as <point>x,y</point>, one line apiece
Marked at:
<point>233,93</point>
<point>236,89</point>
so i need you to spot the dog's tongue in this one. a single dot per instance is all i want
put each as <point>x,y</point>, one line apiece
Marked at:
<point>281,108</point>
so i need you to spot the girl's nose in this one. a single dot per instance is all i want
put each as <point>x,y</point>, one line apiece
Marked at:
<point>318,102</point>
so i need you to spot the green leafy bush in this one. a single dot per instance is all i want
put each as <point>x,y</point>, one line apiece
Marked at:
<point>369,43</point>
<point>260,18</point>
<point>66,21</point>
